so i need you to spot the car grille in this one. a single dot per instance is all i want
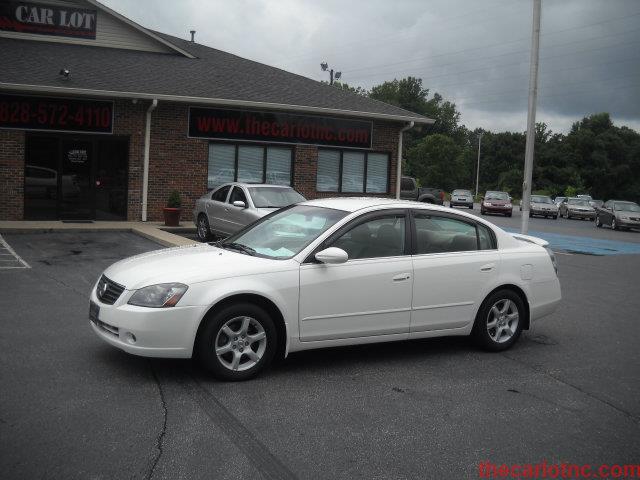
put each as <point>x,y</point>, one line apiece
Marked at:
<point>635,219</point>
<point>105,327</point>
<point>108,291</point>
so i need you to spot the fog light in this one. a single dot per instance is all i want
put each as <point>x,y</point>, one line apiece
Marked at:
<point>130,338</point>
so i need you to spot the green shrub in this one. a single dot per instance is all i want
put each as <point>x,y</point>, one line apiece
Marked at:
<point>174,200</point>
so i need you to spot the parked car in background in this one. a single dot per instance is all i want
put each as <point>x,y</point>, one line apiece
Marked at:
<point>575,207</point>
<point>496,202</point>
<point>323,273</point>
<point>559,200</point>
<point>596,203</point>
<point>543,206</point>
<point>618,215</point>
<point>409,191</point>
<point>232,206</point>
<point>461,198</point>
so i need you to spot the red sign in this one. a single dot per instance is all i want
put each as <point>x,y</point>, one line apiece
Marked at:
<point>59,114</point>
<point>275,127</point>
<point>27,17</point>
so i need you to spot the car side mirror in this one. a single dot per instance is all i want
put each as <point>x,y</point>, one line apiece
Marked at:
<point>332,255</point>
<point>239,203</point>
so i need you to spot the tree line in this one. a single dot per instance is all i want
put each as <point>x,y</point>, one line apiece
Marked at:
<point>595,157</point>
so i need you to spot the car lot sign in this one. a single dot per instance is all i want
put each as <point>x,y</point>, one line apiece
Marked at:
<point>56,114</point>
<point>27,17</point>
<point>278,127</point>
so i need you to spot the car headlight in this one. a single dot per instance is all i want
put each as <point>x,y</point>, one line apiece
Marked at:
<point>508,205</point>
<point>624,217</point>
<point>162,295</point>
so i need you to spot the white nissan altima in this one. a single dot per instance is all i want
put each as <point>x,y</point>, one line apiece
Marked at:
<point>324,273</point>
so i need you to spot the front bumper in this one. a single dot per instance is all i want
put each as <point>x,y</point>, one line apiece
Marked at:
<point>579,214</point>
<point>158,332</point>
<point>538,211</point>
<point>497,209</point>
<point>461,203</point>
<point>628,223</point>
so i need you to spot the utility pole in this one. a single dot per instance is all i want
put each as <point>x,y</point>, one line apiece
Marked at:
<point>325,66</point>
<point>531,117</point>
<point>478,167</point>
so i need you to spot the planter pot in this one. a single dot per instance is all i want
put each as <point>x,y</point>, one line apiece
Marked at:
<point>171,216</point>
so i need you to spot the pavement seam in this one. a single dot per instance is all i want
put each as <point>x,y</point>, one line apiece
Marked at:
<point>160,438</point>
<point>269,466</point>
<point>575,387</point>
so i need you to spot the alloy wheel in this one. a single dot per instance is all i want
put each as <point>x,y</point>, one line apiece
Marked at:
<point>502,320</point>
<point>240,343</point>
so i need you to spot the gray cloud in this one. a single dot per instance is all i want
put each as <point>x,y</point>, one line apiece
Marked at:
<point>475,53</point>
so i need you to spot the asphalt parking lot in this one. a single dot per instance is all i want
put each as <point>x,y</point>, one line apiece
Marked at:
<point>74,407</point>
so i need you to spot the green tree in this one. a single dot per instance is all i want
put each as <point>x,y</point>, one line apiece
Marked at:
<point>436,161</point>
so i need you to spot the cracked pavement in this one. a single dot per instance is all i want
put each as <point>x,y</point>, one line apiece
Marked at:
<point>74,407</point>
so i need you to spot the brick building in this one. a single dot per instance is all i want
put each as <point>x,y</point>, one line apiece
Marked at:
<point>101,119</point>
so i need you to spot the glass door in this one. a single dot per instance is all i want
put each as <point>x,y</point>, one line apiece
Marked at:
<point>75,181</point>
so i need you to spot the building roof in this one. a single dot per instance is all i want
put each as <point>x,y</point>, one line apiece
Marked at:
<point>213,77</point>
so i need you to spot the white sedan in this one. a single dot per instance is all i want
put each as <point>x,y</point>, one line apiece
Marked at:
<point>324,273</point>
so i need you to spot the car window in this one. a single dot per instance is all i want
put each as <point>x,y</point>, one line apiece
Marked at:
<point>626,207</point>
<point>578,201</point>
<point>220,195</point>
<point>443,234</point>
<point>378,237</point>
<point>540,199</point>
<point>284,233</point>
<point>496,196</point>
<point>485,238</point>
<point>238,195</point>
<point>406,184</point>
<point>270,197</point>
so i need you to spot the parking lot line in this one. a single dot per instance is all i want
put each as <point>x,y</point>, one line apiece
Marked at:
<point>15,262</point>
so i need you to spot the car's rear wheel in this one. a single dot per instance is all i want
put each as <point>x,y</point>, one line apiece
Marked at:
<point>499,321</point>
<point>204,232</point>
<point>237,342</point>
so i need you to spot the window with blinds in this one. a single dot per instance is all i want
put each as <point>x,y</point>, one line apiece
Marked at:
<point>352,171</point>
<point>249,164</point>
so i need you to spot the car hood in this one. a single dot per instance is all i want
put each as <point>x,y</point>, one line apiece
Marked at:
<point>189,264</point>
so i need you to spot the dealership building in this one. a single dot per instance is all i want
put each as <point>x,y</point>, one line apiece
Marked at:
<point>101,119</point>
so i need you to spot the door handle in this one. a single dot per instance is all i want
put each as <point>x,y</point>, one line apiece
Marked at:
<point>488,267</point>
<point>402,277</point>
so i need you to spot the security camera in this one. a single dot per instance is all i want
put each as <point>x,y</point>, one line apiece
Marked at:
<point>64,72</point>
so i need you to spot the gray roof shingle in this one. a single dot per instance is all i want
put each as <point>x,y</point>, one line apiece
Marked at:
<point>214,74</point>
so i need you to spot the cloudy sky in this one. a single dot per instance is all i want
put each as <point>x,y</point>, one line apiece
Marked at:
<point>473,52</point>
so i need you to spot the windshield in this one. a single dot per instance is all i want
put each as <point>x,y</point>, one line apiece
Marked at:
<point>284,233</point>
<point>496,196</point>
<point>462,192</point>
<point>270,197</point>
<point>579,202</point>
<point>626,207</point>
<point>540,199</point>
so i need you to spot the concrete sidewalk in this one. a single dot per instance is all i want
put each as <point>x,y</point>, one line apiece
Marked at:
<point>155,231</point>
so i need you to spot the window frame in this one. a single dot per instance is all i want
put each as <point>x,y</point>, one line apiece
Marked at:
<point>430,213</point>
<point>215,190</point>
<point>265,147</point>
<point>364,176</point>
<point>359,220</point>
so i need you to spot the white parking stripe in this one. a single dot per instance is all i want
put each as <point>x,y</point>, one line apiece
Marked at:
<point>5,246</point>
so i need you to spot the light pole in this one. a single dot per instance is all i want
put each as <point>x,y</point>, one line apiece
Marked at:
<point>325,66</point>
<point>478,167</point>
<point>531,117</point>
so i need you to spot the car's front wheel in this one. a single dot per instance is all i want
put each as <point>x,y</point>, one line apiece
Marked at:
<point>614,224</point>
<point>500,320</point>
<point>204,232</point>
<point>237,342</point>
<point>598,224</point>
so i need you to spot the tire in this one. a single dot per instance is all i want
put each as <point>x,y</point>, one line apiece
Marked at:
<point>497,338</point>
<point>482,212</point>
<point>471,206</point>
<point>508,214</point>
<point>555,217</point>
<point>245,320</point>
<point>530,215</point>
<point>597,222</point>
<point>202,228</point>
<point>614,224</point>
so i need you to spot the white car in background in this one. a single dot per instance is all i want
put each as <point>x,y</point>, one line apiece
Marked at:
<point>325,273</point>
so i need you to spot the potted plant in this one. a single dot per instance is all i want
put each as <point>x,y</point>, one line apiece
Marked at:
<point>172,210</point>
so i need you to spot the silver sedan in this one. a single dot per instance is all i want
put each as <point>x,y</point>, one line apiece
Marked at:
<point>232,206</point>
